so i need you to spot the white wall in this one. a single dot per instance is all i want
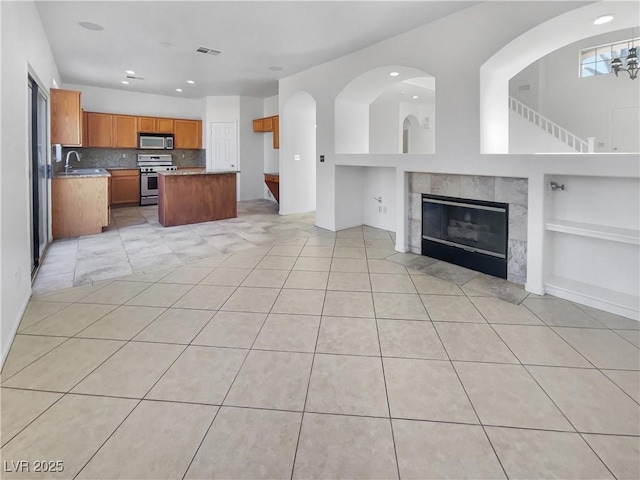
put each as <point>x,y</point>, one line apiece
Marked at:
<point>251,149</point>
<point>385,126</point>
<point>352,127</point>
<point>581,105</point>
<point>379,183</point>
<point>298,155</point>
<point>109,100</point>
<point>525,137</point>
<point>271,155</point>
<point>25,50</point>
<point>349,199</point>
<point>527,86</point>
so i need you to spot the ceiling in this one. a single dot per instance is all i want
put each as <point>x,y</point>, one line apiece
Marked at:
<point>158,40</point>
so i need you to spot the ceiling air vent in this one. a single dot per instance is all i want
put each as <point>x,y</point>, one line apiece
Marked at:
<point>209,51</point>
<point>133,77</point>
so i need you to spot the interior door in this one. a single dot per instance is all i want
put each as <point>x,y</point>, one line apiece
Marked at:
<point>224,146</point>
<point>625,125</point>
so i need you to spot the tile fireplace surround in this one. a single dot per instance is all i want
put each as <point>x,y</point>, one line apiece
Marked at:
<point>513,191</point>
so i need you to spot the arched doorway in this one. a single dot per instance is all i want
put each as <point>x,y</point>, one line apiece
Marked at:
<point>534,44</point>
<point>370,110</point>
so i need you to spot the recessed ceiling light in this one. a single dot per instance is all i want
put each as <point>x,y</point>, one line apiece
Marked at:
<point>130,72</point>
<point>401,93</point>
<point>91,26</point>
<point>124,82</point>
<point>178,89</point>
<point>394,74</point>
<point>603,19</point>
<point>415,96</point>
<point>275,69</point>
<point>190,82</point>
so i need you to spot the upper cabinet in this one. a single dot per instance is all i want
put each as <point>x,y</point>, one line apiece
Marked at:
<point>155,125</point>
<point>66,118</point>
<point>99,130</point>
<point>165,125</point>
<point>147,124</point>
<point>106,130</point>
<point>269,124</point>
<point>188,133</point>
<point>125,131</point>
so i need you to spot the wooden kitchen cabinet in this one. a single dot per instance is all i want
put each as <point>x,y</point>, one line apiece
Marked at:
<point>187,133</point>
<point>258,125</point>
<point>107,130</point>
<point>125,188</point>
<point>263,124</point>
<point>99,130</point>
<point>165,125</point>
<point>147,124</point>
<point>276,132</point>
<point>155,125</point>
<point>79,206</point>
<point>66,118</point>
<point>269,124</point>
<point>125,131</point>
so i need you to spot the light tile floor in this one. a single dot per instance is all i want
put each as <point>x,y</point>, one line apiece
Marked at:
<point>136,242</point>
<point>322,356</point>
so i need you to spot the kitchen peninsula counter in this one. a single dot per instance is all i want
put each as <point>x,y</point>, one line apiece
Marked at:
<point>195,196</point>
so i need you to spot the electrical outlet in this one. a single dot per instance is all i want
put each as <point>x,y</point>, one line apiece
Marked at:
<point>380,209</point>
<point>384,209</point>
<point>296,157</point>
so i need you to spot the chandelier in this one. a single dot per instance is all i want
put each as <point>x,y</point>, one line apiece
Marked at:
<point>632,64</point>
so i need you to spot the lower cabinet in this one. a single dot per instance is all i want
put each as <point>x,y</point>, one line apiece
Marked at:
<point>124,188</point>
<point>79,206</point>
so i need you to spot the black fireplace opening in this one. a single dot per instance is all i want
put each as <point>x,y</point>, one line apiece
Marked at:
<point>465,232</point>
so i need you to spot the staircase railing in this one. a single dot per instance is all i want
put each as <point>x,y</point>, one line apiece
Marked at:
<point>562,134</point>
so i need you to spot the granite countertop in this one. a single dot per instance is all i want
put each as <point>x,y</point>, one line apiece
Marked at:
<point>197,172</point>
<point>83,173</point>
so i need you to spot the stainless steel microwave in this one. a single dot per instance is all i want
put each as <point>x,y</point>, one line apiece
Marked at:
<point>155,141</point>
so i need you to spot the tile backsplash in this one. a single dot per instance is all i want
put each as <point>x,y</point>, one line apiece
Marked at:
<point>125,157</point>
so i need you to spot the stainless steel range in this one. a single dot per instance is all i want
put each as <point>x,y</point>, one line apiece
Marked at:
<point>150,165</point>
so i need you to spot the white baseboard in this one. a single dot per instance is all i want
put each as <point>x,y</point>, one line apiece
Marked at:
<point>592,301</point>
<point>344,227</point>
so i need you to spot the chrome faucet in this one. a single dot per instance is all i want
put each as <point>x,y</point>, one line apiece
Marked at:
<point>66,161</point>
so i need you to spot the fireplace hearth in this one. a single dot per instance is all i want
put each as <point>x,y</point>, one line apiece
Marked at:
<point>466,232</point>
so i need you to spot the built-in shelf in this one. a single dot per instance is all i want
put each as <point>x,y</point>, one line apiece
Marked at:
<point>613,234</point>
<point>594,296</point>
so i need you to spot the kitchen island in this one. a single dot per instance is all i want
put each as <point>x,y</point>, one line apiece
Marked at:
<point>195,196</point>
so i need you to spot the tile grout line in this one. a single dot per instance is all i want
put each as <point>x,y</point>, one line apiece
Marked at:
<point>222,403</point>
<point>484,430</point>
<point>625,435</point>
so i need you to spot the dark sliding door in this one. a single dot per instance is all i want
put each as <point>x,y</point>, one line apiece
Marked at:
<point>38,173</point>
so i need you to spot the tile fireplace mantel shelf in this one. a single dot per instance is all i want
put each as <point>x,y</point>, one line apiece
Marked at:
<point>613,234</point>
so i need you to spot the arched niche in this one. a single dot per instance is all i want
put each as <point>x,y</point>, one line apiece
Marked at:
<point>298,154</point>
<point>370,110</point>
<point>532,45</point>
